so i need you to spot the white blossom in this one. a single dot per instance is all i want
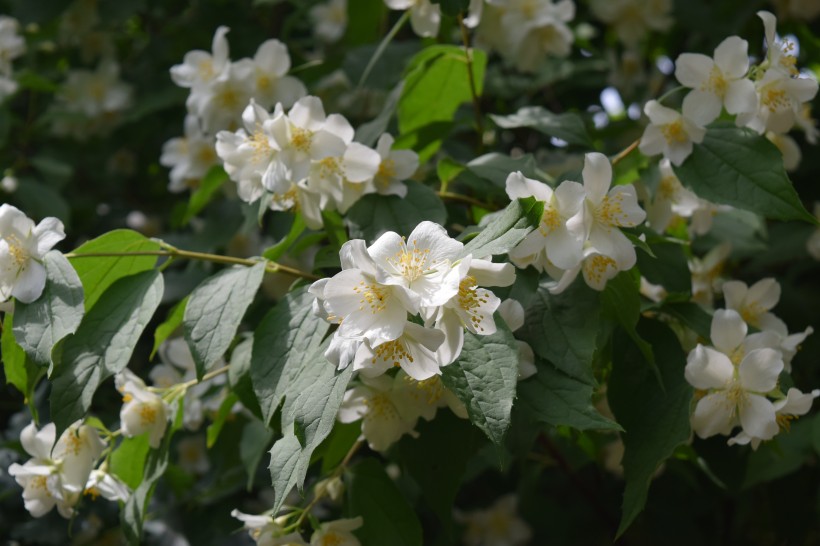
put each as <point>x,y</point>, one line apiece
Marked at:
<point>394,166</point>
<point>754,303</point>
<point>12,46</point>
<point>89,102</point>
<point>200,68</point>
<point>190,157</point>
<point>329,20</point>
<point>22,247</point>
<point>706,273</point>
<point>142,411</point>
<point>268,71</point>
<point>787,409</point>
<point>425,17</point>
<point>672,200</point>
<point>106,485</point>
<point>268,531</point>
<point>672,133</point>
<point>498,525</point>
<point>337,533</point>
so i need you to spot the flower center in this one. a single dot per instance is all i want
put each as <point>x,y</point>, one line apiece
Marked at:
<point>372,296</point>
<point>550,220</point>
<point>381,406</point>
<point>716,83</point>
<point>228,98</point>
<point>393,351</point>
<point>411,263</point>
<point>148,414</point>
<point>73,443</point>
<point>775,100</point>
<point>387,171</point>
<point>470,300</point>
<point>610,212</point>
<point>328,167</point>
<point>674,132</point>
<point>668,187</point>
<point>331,539</point>
<point>596,267</point>
<point>300,138</point>
<point>205,69</point>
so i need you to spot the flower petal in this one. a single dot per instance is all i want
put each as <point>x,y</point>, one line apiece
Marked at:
<point>728,330</point>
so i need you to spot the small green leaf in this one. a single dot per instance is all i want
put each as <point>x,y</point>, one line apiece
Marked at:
<point>225,409</point>
<point>693,316</point>
<point>279,249</point>
<point>19,369</point>
<point>563,329</point>
<point>376,214</point>
<point>736,166</point>
<point>387,516</point>
<point>169,325</point>
<point>506,229</point>
<point>99,272</point>
<point>553,397</point>
<point>215,309</point>
<point>128,460</point>
<point>256,437</point>
<point>568,126</point>
<point>39,325</point>
<point>207,190</point>
<point>656,421</point>
<point>282,344</point>
<point>484,378</point>
<point>103,344</point>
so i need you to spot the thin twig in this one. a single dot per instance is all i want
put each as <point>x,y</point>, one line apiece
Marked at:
<point>465,37</point>
<point>625,152</point>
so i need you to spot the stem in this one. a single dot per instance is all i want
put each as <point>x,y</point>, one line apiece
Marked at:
<point>382,46</point>
<point>625,152</point>
<point>172,252</point>
<point>670,93</point>
<point>206,377</point>
<point>465,199</point>
<point>465,37</point>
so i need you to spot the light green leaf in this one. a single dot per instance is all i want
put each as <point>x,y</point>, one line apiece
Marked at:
<point>655,421</point>
<point>484,378</point>
<point>225,409</point>
<point>736,166</point>
<point>215,309</point>
<point>19,369</point>
<point>207,190</point>
<point>568,126</point>
<point>239,376</point>
<point>553,397</point>
<point>99,272</point>
<point>169,325</point>
<point>103,344</point>
<point>506,229</point>
<point>692,316</point>
<point>376,214</point>
<point>563,329</point>
<point>387,516</point>
<point>39,325</point>
<point>127,462</point>
<point>283,343</point>
<point>286,465</point>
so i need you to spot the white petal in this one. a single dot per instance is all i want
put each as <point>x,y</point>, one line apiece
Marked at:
<point>339,126</point>
<point>713,415</point>
<point>487,273</point>
<point>692,69</point>
<point>48,233</point>
<point>30,282</point>
<point>513,313</point>
<point>741,97</point>
<point>728,330</point>
<point>597,175</point>
<point>708,369</point>
<point>425,18</point>
<point>769,26</point>
<point>732,57</point>
<point>519,186</point>
<point>272,56</point>
<point>765,293</point>
<point>308,113</point>
<point>360,163</point>
<point>702,107</point>
<point>757,417</point>
<point>759,370</point>
<point>569,198</point>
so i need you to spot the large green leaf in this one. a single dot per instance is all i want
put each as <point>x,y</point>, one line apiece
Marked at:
<point>506,229</point>
<point>128,460</point>
<point>99,272</point>
<point>656,421</point>
<point>376,214</point>
<point>568,126</point>
<point>553,397</point>
<point>736,166</point>
<point>387,516</point>
<point>563,329</point>
<point>215,309</point>
<point>283,342</point>
<point>39,325</point>
<point>103,344</point>
<point>484,378</point>
<point>436,84</point>
<point>19,369</point>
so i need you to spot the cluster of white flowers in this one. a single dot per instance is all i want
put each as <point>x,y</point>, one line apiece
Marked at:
<point>303,159</point>
<point>738,376</point>
<point>329,20</point>
<point>633,19</point>
<point>12,45</point>
<point>22,247</point>
<point>497,525</point>
<point>59,474</point>
<point>580,227</point>
<point>525,32</point>
<point>266,530</point>
<point>220,90</point>
<point>768,98</point>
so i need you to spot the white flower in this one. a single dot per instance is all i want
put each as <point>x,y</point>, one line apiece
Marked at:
<point>787,409</point>
<point>498,525</point>
<point>189,157</point>
<point>267,531</point>
<point>429,395</point>
<point>193,454</point>
<point>671,132</point>
<point>788,148</point>
<point>706,273</point>
<point>718,82</point>
<point>672,200</point>
<point>560,236</point>
<point>395,166</point>
<point>268,70</point>
<point>330,20</point>
<point>91,101</point>
<point>337,533</point>
<point>22,247</point>
<point>219,104</point>
<point>414,351</point>
<point>387,412</point>
<point>199,68</point>
<point>633,19</point>
<point>12,45</point>
<point>754,303</point>
<point>58,476</point>
<point>142,410</point>
<point>425,16</point>
<point>736,381</point>
<point>106,485</point>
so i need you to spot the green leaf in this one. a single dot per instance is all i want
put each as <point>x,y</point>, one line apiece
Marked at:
<point>656,421</point>
<point>39,325</point>
<point>621,301</point>
<point>736,166</point>
<point>103,344</point>
<point>286,465</point>
<point>376,214</point>
<point>506,229</point>
<point>169,325</point>
<point>553,397</point>
<point>563,329</point>
<point>668,267</point>
<point>692,316</point>
<point>215,309</point>
<point>256,437</point>
<point>338,444</point>
<point>568,126</point>
<point>283,343</point>
<point>204,194</point>
<point>239,376</point>
<point>128,460</point>
<point>279,249</point>
<point>387,516</point>
<point>497,167</point>
<point>369,133</point>
<point>484,378</point>
<point>19,369</point>
<point>786,454</point>
<point>99,272</point>
<point>218,422</point>
<point>437,82</point>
